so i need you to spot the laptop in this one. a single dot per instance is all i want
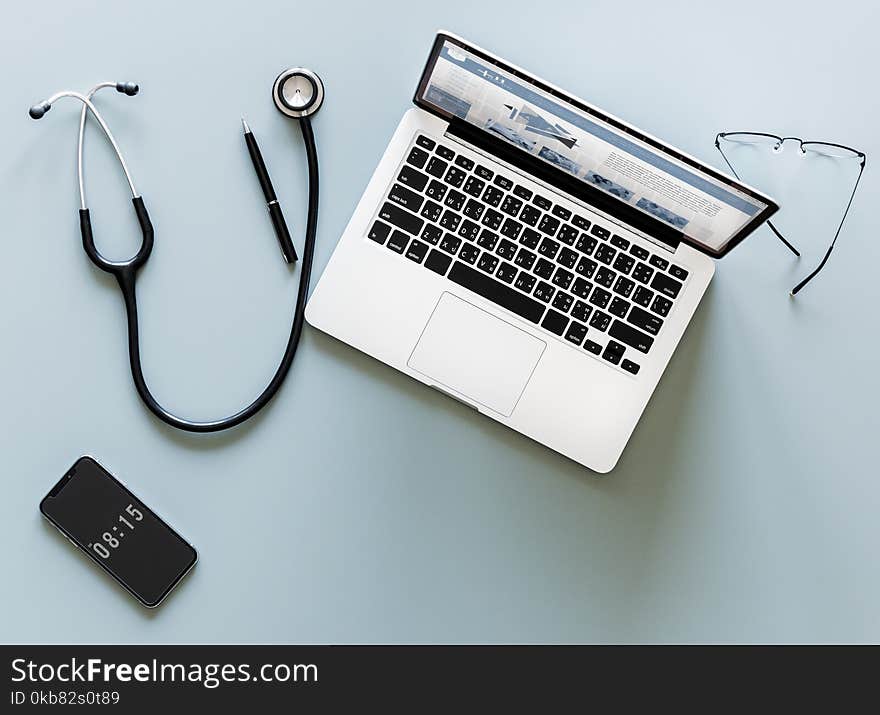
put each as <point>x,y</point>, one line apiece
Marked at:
<point>529,254</point>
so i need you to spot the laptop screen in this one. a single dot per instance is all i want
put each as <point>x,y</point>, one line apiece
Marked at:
<point>706,207</point>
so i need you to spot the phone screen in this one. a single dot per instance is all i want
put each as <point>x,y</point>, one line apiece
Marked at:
<point>118,531</point>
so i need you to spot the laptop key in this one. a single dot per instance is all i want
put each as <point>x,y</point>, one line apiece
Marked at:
<point>554,322</point>
<point>455,176</point>
<point>455,199</point>
<point>507,249</point>
<point>487,239</point>
<point>416,180</point>
<point>445,152</point>
<point>586,267</point>
<point>549,248</point>
<point>436,167</point>
<point>545,268</point>
<point>474,186</point>
<point>484,172</point>
<point>493,219</point>
<point>431,210</point>
<point>473,209</point>
<point>624,262</point>
<point>522,192</point>
<point>613,352</point>
<point>544,203</point>
<point>605,254</point>
<point>450,220</point>
<point>497,292</point>
<point>600,321</point>
<point>576,332</point>
<point>424,141</point>
<point>619,307</point>
<point>511,228</point>
<point>567,234</point>
<point>397,242</point>
<point>620,242</point>
<point>506,272</point>
<point>600,297</point>
<point>469,253</point>
<point>548,225</point>
<point>562,301</point>
<point>586,244</point>
<point>525,281</point>
<point>605,277</point>
<point>436,190</point>
<point>642,273</point>
<point>417,250</point>
<point>561,212</point>
<point>530,238</point>
<point>639,252</point>
<point>643,296</point>
<point>401,218</point>
<point>503,182</point>
<point>661,305</point>
<point>469,230</point>
<point>417,157</point>
<point>666,285</point>
<point>544,292</point>
<point>678,272</point>
<point>493,196</point>
<point>581,288</point>
<point>581,311</point>
<point>632,337</point>
<point>379,232</point>
<point>438,262</point>
<point>511,205</point>
<point>580,222</point>
<point>525,258</point>
<point>646,321</point>
<point>405,197</point>
<point>530,215</point>
<point>624,286</point>
<point>563,278</point>
<point>600,232</point>
<point>593,347</point>
<point>567,257</point>
<point>658,262</point>
<point>432,234</point>
<point>464,162</point>
<point>630,366</point>
<point>488,263</point>
<point>450,243</point>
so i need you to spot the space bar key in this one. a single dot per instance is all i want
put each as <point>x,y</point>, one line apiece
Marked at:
<point>497,292</point>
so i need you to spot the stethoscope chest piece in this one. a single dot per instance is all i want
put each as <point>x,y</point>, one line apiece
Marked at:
<point>298,92</point>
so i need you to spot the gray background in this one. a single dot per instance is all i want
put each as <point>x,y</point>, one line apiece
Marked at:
<point>361,506</point>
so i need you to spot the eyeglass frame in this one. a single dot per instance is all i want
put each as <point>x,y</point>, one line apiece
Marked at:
<point>780,141</point>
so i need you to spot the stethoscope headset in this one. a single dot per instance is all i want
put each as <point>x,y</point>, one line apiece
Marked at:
<point>297,93</point>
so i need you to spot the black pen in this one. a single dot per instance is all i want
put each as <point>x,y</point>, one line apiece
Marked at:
<point>278,222</point>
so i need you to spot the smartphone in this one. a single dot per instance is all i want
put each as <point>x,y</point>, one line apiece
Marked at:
<point>117,531</point>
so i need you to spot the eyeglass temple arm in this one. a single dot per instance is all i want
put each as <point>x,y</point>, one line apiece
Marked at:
<point>769,223</point>
<point>799,286</point>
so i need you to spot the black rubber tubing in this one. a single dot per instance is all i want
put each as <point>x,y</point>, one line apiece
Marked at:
<point>125,273</point>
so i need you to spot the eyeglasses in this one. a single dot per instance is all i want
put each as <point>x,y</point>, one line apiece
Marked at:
<point>807,148</point>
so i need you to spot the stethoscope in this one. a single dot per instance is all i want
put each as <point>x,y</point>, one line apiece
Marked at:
<point>297,93</point>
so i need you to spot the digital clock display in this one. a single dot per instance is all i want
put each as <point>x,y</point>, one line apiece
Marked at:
<point>101,516</point>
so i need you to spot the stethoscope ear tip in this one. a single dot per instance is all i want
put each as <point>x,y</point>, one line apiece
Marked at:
<point>129,88</point>
<point>39,110</point>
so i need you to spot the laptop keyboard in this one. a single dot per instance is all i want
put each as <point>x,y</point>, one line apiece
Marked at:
<point>524,252</point>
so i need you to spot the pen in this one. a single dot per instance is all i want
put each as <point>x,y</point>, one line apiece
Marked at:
<point>278,222</point>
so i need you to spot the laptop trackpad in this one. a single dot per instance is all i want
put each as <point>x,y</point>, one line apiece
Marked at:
<point>466,350</point>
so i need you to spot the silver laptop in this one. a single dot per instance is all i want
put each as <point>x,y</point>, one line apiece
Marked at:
<point>529,254</point>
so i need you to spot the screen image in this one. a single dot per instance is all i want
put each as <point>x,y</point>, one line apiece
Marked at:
<point>118,531</point>
<point>707,210</point>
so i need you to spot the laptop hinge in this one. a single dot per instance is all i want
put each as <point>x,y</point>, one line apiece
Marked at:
<point>629,217</point>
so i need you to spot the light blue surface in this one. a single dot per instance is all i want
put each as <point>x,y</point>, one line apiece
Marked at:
<point>361,506</point>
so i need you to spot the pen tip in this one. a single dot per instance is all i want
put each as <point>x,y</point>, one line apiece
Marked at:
<point>247,129</point>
